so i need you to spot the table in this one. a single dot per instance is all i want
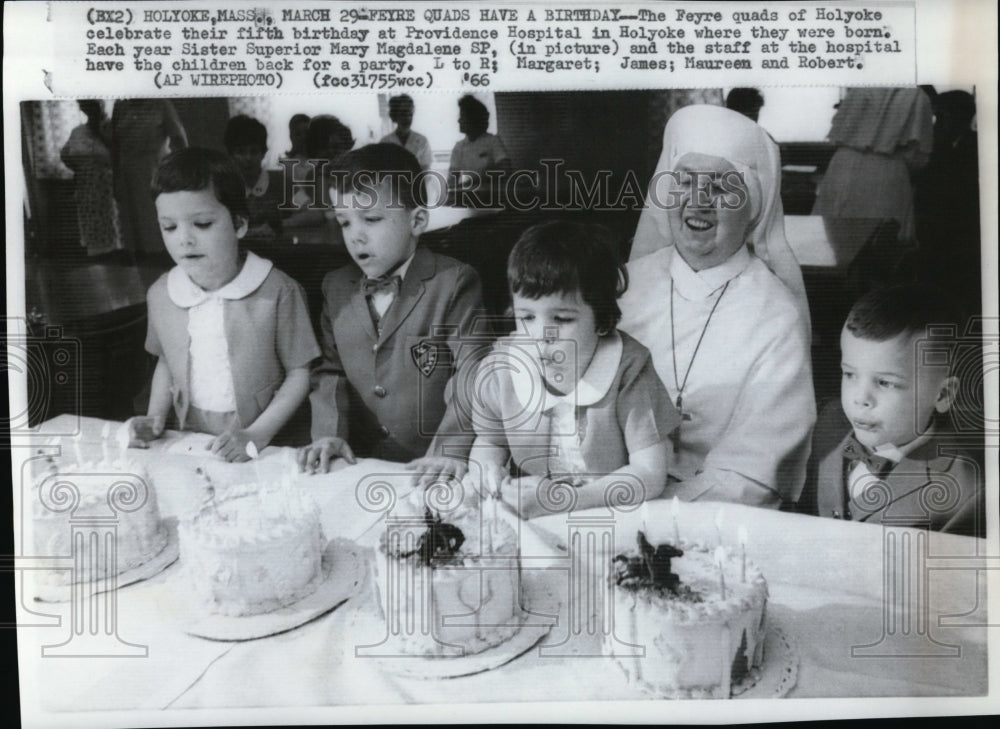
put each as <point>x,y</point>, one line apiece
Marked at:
<point>826,580</point>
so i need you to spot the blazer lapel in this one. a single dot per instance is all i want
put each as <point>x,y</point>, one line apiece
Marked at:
<point>360,307</point>
<point>410,292</point>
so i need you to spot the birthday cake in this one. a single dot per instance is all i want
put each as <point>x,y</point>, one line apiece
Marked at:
<point>699,615</point>
<point>75,506</point>
<point>252,549</point>
<point>448,589</point>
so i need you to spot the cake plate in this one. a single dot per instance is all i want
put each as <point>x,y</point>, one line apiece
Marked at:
<point>51,592</point>
<point>541,605</point>
<point>343,572</point>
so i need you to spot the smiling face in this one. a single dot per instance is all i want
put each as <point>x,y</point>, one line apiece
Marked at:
<point>201,235</point>
<point>378,236</point>
<point>705,232</point>
<point>565,332</point>
<point>887,397</point>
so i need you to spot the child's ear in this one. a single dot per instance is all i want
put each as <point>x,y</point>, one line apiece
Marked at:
<point>241,225</point>
<point>946,394</point>
<point>418,221</point>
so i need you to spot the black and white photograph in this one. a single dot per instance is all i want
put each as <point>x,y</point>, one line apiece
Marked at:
<point>478,383</point>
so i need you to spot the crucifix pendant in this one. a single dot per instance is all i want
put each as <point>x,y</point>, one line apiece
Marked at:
<point>675,436</point>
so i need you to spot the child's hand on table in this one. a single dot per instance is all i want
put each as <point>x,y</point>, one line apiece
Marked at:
<point>231,445</point>
<point>317,456</point>
<point>144,428</point>
<point>433,469</point>
<point>532,496</point>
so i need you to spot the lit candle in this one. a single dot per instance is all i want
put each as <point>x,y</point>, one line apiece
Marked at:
<point>645,518</point>
<point>742,534</point>
<point>720,561</point>
<point>718,525</point>
<point>675,507</point>
<point>106,443</point>
<point>123,440</point>
<point>77,450</point>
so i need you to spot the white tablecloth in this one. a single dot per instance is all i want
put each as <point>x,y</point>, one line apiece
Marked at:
<point>827,593</point>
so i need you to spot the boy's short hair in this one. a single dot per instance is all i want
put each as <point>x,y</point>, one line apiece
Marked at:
<point>243,131</point>
<point>363,171</point>
<point>475,111</point>
<point>561,257</point>
<point>298,119</point>
<point>197,168</point>
<point>397,103</point>
<point>321,128</point>
<point>916,310</point>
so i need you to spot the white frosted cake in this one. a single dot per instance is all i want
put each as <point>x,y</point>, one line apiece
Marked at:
<point>698,644</point>
<point>446,589</point>
<point>86,498</point>
<point>253,550</point>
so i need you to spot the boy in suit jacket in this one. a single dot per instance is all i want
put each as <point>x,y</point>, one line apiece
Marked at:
<point>392,328</point>
<point>889,456</point>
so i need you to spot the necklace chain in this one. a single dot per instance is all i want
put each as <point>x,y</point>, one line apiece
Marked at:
<point>673,343</point>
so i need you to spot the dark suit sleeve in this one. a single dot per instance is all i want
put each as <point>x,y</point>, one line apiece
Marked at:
<point>831,426</point>
<point>468,346</point>
<point>328,393</point>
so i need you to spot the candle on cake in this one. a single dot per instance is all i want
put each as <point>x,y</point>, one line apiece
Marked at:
<point>718,525</point>
<point>742,534</point>
<point>675,507</point>
<point>122,439</point>
<point>106,443</point>
<point>720,562</point>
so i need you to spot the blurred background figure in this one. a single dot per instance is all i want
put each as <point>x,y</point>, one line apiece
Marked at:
<point>298,129</point>
<point>747,101</point>
<point>143,131</point>
<point>326,140</point>
<point>947,201</point>
<point>88,153</point>
<point>246,142</point>
<point>479,151</point>
<point>883,137</point>
<point>401,113</point>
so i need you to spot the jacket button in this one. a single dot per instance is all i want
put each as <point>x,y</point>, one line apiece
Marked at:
<point>384,431</point>
<point>375,348</point>
<point>379,391</point>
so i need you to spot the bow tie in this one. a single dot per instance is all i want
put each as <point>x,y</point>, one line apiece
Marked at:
<point>856,453</point>
<point>383,284</point>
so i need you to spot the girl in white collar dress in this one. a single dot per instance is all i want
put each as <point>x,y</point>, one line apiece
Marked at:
<point>568,411</point>
<point>232,332</point>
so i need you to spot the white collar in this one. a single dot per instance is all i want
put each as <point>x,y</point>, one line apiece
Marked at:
<point>694,285</point>
<point>590,388</point>
<point>259,188</point>
<point>898,453</point>
<point>185,293</point>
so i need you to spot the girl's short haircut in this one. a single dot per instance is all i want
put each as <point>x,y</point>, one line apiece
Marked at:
<point>363,170</point>
<point>197,168</point>
<point>243,131</point>
<point>321,128</point>
<point>561,258</point>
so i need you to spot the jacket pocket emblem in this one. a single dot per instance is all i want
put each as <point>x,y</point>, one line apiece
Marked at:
<point>425,357</point>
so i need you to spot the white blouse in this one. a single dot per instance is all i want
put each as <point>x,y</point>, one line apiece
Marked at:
<point>210,374</point>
